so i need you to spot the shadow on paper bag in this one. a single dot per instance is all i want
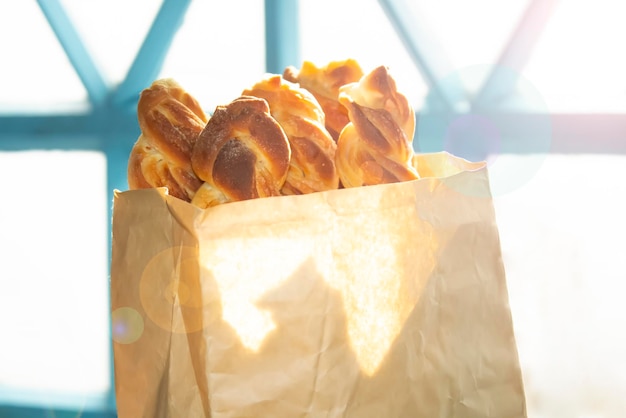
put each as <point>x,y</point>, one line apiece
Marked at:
<point>380,301</point>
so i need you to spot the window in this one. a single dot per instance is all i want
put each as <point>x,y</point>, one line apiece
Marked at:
<point>54,279</point>
<point>535,87</point>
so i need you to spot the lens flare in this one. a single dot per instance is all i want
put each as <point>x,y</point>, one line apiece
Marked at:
<point>127,325</point>
<point>473,136</point>
<point>170,290</point>
<point>501,122</point>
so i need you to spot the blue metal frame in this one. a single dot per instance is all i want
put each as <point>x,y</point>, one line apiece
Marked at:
<point>427,55</point>
<point>75,50</point>
<point>153,51</point>
<point>110,124</point>
<point>500,84</point>
<point>26,412</point>
<point>282,36</point>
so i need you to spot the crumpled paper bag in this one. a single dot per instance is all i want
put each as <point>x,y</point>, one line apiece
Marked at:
<point>379,301</point>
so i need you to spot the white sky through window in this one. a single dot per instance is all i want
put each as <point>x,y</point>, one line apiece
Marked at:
<point>574,69</point>
<point>53,273</point>
<point>561,232</point>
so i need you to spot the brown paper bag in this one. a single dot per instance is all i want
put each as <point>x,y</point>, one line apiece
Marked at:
<point>380,301</point>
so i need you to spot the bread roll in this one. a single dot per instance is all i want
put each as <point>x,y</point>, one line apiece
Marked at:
<point>376,146</point>
<point>312,165</point>
<point>170,121</point>
<point>324,83</point>
<point>242,153</point>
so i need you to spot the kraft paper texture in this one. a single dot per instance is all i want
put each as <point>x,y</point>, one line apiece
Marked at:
<point>379,301</point>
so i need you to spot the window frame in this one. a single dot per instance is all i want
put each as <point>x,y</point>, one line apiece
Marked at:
<point>110,125</point>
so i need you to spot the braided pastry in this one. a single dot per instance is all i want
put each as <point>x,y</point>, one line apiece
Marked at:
<point>241,154</point>
<point>170,120</point>
<point>312,165</point>
<point>324,84</point>
<point>376,146</point>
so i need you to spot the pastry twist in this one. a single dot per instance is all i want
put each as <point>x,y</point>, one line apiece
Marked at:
<point>312,165</point>
<point>242,153</point>
<point>324,84</point>
<point>170,121</point>
<point>376,146</point>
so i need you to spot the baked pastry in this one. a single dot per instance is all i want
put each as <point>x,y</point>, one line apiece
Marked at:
<point>170,120</point>
<point>277,137</point>
<point>324,83</point>
<point>312,165</point>
<point>376,146</point>
<point>242,153</point>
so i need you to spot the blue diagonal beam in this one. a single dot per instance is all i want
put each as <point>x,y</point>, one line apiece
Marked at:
<point>282,36</point>
<point>502,80</point>
<point>427,55</point>
<point>75,50</point>
<point>149,60</point>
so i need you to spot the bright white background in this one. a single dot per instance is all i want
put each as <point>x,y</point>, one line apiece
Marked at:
<point>562,232</point>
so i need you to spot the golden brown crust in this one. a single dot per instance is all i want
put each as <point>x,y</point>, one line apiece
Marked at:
<point>170,121</point>
<point>242,152</point>
<point>324,83</point>
<point>376,146</point>
<point>148,168</point>
<point>378,90</point>
<point>275,138</point>
<point>312,164</point>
